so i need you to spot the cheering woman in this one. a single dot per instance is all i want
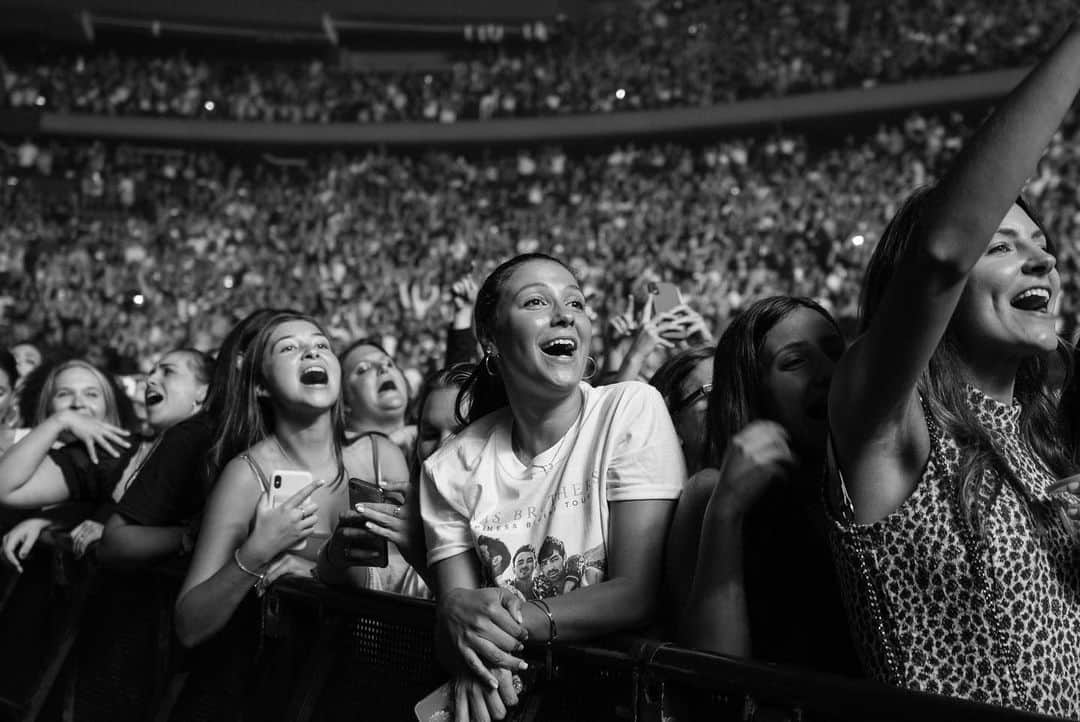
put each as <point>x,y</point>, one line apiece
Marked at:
<point>960,574</point>
<point>586,477</point>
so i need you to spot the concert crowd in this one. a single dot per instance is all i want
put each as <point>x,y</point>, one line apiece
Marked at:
<point>669,54</point>
<point>569,393</point>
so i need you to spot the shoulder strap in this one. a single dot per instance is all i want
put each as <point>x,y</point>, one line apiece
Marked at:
<point>257,470</point>
<point>374,452</point>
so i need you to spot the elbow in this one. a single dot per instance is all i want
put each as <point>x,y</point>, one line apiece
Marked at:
<point>188,632</point>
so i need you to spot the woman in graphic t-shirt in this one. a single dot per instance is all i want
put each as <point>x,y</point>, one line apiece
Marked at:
<point>587,477</point>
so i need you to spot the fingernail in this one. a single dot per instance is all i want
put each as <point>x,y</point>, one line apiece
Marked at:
<point>523,665</point>
<point>519,647</point>
<point>359,508</point>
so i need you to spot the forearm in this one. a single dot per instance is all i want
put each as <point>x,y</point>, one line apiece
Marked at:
<point>615,605</point>
<point>982,184</point>
<point>18,464</point>
<point>131,545</point>
<point>206,608</point>
<point>715,617</point>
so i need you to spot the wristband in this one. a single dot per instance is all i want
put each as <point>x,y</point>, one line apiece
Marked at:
<point>245,570</point>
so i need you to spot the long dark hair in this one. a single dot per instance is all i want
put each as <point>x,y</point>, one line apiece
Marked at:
<point>484,391</point>
<point>249,416</point>
<point>738,393</point>
<point>227,375</point>
<point>943,385</point>
<point>669,377</point>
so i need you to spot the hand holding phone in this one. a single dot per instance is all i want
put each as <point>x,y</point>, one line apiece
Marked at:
<point>282,522</point>
<point>284,484</point>
<point>353,543</point>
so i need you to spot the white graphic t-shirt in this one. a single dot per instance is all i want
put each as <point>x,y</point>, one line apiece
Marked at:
<point>542,529</point>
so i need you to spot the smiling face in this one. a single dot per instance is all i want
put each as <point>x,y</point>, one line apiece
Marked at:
<point>798,358</point>
<point>79,390</point>
<point>27,358</point>
<point>173,392</point>
<point>525,564</point>
<point>542,331</point>
<point>1008,305</point>
<point>299,367</point>
<point>437,421</point>
<point>375,388</point>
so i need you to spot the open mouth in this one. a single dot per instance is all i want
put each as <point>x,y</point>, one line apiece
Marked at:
<point>314,376</point>
<point>1033,299</point>
<point>153,398</point>
<point>387,385</point>
<point>563,347</point>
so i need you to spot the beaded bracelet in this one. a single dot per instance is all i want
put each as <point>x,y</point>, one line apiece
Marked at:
<point>245,570</point>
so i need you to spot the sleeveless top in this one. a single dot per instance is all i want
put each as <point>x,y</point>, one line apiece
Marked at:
<point>937,608</point>
<point>397,577</point>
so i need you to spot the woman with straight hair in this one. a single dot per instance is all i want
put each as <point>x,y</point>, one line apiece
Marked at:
<point>959,569</point>
<point>587,475</point>
<point>749,532</point>
<point>287,413</point>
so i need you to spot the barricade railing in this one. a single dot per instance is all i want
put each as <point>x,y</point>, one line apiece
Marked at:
<point>104,648</point>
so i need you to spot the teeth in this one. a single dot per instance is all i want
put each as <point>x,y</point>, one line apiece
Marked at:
<point>1042,292</point>
<point>314,375</point>
<point>560,344</point>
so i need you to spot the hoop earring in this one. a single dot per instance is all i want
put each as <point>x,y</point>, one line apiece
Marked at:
<point>595,368</point>
<point>487,363</point>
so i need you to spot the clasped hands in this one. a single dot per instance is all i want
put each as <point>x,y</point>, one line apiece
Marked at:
<point>479,632</point>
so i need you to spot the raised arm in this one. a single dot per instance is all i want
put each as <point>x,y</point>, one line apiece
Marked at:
<point>30,479</point>
<point>874,413</point>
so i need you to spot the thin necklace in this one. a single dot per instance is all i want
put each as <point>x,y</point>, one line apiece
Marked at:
<point>546,468</point>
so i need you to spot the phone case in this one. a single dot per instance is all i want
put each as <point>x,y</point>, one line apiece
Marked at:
<point>364,492</point>
<point>284,484</point>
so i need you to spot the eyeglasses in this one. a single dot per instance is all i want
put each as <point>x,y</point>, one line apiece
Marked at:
<point>381,366</point>
<point>700,393</point>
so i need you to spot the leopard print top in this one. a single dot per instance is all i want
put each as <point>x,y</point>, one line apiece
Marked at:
<point>935,608</point>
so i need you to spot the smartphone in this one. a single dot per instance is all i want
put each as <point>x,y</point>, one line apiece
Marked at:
<point>284,484</point>
<point>665,296</point>
<point>366,492</point>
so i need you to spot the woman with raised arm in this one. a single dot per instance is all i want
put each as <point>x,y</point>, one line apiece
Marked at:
<point>175,391</point>
<point>587,476</point>
<point>960,576</point>
<point>749,531</point>
<point>287,413</point>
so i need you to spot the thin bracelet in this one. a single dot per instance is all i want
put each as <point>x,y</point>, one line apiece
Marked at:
<point>245,570</point>
<point>553,629</point>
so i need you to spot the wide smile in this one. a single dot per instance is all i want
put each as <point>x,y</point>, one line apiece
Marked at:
<point>1033,300</point>
<point>562,348</point>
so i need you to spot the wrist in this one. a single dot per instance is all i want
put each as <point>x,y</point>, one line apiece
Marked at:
<point>251,556</point>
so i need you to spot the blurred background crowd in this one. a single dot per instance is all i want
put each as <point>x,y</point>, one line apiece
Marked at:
<point>665,54</point>
<point>123,251</point>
